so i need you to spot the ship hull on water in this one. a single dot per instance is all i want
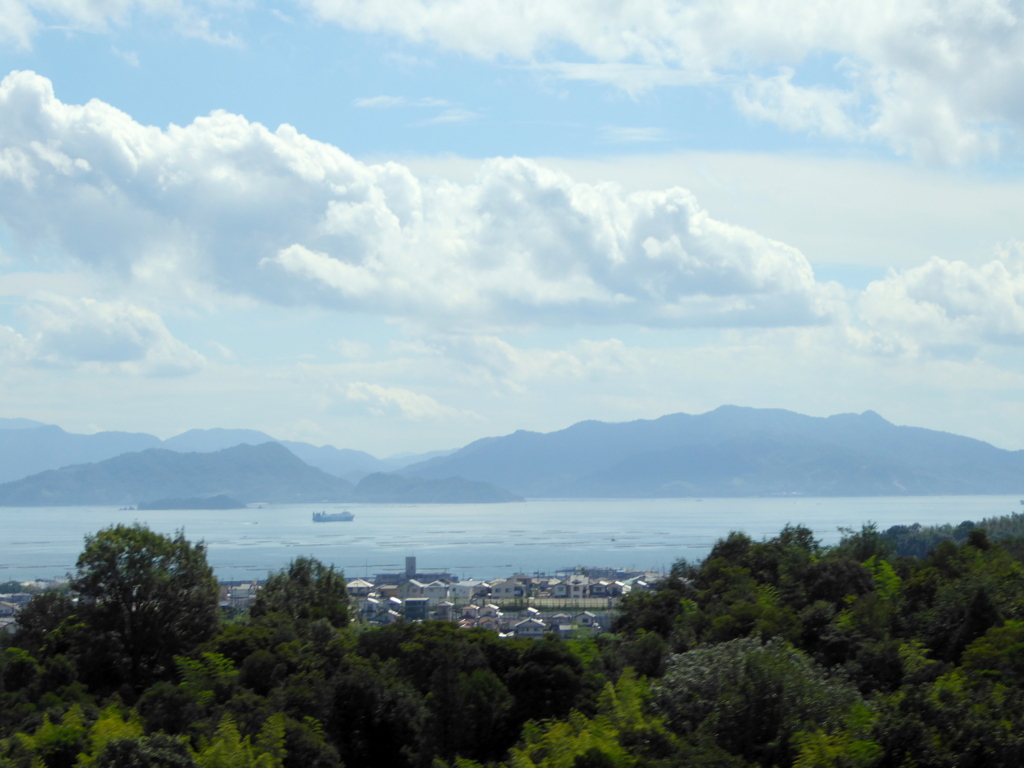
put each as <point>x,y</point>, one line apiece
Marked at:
<point>333,517</point>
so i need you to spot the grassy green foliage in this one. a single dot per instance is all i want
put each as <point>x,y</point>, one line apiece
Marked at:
<point>779,652</point>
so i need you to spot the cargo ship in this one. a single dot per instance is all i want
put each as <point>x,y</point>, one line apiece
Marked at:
<point>333,517</point>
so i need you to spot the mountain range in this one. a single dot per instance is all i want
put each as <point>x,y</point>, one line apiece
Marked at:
<point>249,473</point>
<point>731,451</point>
<point>28,447</point>
<point>735,451</point>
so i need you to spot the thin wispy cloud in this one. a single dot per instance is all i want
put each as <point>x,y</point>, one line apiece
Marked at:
<point>451,116</point>
<point>380,102</point>
<point>389,102</point>
<point>129,57</point>
<point>619,134</point>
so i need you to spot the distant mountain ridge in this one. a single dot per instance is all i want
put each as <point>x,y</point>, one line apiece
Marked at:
<point>267,472</point>
<point>734,451</point>
<point>731,451</point>
<point>28,447</point>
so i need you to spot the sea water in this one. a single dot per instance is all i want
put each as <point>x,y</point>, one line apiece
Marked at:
<point>470,540</point>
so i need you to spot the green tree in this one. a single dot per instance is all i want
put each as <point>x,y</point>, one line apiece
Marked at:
<point>156,751</point>
<point>752,698</point>
<point>306,591</point>
<point>154,596</point>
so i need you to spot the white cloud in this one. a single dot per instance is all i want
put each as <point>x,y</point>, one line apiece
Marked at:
<point>129,57</point>
<point>932,78</point>
<point>227,204</point>
<point>396,401</point>
<point>948,304</point>
<point>507,366</point>
<point>351,349</point>
<point>18,25</point>
<point>618,134</point>
<point>634,79</point>
<point>13,347</point>
<point>935,79</point>
<point>376,102</point>
<point>455,115</point>
<point>114,335</point>
<point>429,101</point>
<point>816,110</point>
<point>21,20</point>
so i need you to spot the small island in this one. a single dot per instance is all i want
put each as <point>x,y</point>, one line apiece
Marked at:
<point>209,502</point>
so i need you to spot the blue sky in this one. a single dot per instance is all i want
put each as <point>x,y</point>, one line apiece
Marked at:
<point>484,216</point>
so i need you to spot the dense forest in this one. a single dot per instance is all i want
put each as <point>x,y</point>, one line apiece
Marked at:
<point>780,652</point>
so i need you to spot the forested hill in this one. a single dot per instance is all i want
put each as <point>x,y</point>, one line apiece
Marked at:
<point>267,472</point>
<point>736,451</point>
<point>780,653</point>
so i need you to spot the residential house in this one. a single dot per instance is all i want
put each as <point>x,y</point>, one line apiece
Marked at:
<point>533,628</point>
<point>466,590</point>
<point>506,589</point>
<point>559,619</point>
<point>411,588</point>
<point>588,621</point>
<point>369,607</point>
<point>435,592</point>
<point>359,588</point>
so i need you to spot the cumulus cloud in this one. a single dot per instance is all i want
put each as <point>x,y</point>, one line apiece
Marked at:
<point>396,401</point>
<point>947,304</point>
<point>932,78</point>
<point>513,367</point>
<point>818,110</point>
<point>115,335</point>
<point>277,216</point>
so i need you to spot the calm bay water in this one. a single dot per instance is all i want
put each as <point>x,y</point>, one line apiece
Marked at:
<point>473,540</point>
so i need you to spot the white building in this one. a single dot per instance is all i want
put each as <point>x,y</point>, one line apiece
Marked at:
<point>467,590</point>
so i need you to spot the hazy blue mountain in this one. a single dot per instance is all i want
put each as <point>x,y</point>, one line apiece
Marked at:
<point>209,440</point>
<point>402,460</point>
<point>27,447</point>
<point>729,451</point>
<point>20,424</point>
<point>735,451</point>
<point>24,452</point>
<point>341,462</point>
<point>268,472</point>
